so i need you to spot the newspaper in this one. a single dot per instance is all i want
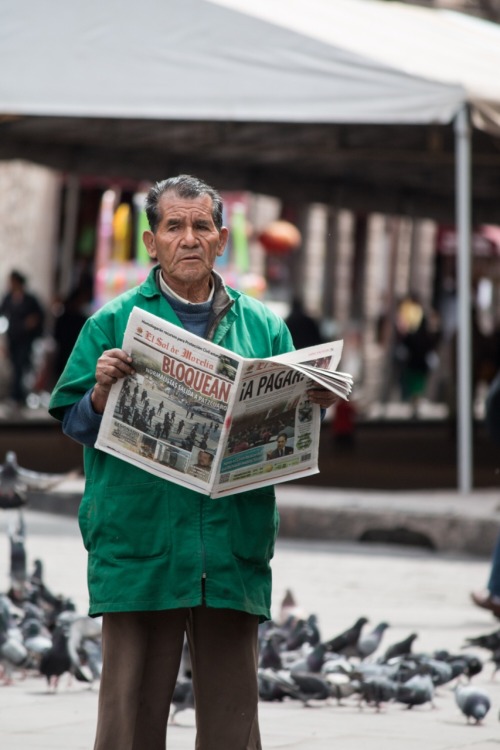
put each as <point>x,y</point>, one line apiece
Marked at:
<point>208,419</point>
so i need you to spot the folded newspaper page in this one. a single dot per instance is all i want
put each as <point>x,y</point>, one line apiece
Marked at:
<point>206,418</point>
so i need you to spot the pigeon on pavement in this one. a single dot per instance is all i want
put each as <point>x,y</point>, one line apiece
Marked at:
<point>416,691</point>
<point>182,698</point>
<point>346,642</point>
<point>472,702</point>
<point>489,641</point>
<point>15,481</point>
<point>369,643</point>
<point>401,648</point>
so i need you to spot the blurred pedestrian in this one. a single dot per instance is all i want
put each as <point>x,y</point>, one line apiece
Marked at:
<point>304,329</point>
<point>489,598</point>
<point>25,318</point>
<point>415,349</point>
<point>70,319</point>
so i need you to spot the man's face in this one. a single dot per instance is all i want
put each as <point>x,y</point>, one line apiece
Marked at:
<point>281,442</point>
<point>204,459</point>
<point>186,243</point>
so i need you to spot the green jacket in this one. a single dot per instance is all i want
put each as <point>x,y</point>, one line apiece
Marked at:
<point>152,542</point>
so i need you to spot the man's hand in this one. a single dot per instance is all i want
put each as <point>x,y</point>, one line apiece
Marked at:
<point>321,396</point>
<point>112,365</point>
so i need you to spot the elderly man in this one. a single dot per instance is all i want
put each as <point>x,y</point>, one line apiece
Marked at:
<point>165,561</point>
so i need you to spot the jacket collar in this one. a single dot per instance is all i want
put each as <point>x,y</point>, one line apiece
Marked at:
<point>222,302</point>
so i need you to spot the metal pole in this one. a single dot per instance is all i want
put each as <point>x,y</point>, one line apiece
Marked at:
<point>464,348</point>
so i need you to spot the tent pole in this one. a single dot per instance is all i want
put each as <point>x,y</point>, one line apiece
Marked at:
<point>464,373</point>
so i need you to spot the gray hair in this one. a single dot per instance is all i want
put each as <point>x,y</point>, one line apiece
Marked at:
<point>183,186</point>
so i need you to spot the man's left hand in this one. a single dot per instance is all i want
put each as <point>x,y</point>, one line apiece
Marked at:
<point>322,396</point>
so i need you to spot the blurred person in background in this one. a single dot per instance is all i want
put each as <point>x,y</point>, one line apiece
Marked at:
<point>417,336</point>
<point>69,321</point>
<point>25,319</point>
<point>489,598</point>
<point>304,329</point>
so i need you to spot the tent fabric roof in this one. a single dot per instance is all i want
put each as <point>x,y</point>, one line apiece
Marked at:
<point>346,101</point>
<point>434,44</point>
<point>194,59</point>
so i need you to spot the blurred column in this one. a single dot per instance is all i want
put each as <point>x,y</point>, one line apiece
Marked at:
<point>330,264</point>
<point>70,220</point>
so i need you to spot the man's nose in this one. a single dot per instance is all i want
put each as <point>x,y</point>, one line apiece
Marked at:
<point>189,237</point>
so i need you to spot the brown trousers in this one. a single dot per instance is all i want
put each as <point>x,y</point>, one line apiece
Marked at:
<point>141,658</point>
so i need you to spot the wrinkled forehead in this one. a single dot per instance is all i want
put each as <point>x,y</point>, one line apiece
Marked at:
<point>171,205</point>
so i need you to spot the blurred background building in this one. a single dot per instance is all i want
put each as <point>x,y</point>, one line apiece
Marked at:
<point>76,235</point>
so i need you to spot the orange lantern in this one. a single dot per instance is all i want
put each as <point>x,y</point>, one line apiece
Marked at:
<point>280,237</point>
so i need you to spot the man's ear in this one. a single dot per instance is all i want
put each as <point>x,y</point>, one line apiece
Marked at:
<point>223,238</point>
<point>149,241</point>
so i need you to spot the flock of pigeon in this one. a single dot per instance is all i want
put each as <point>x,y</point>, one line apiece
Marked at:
<point>43,633</point>
<point>39,631</point>
<point>296,663</point>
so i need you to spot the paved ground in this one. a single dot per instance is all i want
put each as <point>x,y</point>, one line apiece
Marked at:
<point>415,590</point>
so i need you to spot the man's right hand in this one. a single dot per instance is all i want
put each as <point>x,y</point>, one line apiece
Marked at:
<point>112,365</point>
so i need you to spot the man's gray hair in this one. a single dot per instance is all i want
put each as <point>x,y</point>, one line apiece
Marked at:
<point>183,186</point>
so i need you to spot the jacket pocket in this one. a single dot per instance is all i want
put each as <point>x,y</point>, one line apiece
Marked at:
<point>135,520</point>
<point>254,526</point>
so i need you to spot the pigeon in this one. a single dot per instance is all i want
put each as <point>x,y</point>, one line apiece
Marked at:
<point>302,686</point>
<point>182,698</point>
<point>269,690</point>
<point>311,687</point>
<point>289,609</point>
<point>269,655</point>
<point>377,690</point>
<point>312,661</point>
<point>416,691</point>
<point>342,686</point>
<point>461,664</point>
<point>401,648</point>
<point>56,660</point>
<point>36,638</point>
<point>472,702</point>
<point>13,652</point>
<point>346,642</point>
<point>17,534</point>
<point>15,482</point>
<point>305,631</point>
<point>84,634</point>
<point>440,671</point>
<point>369,643</point>
<point>489,641</point>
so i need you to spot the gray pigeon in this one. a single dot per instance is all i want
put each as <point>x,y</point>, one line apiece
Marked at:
<point>401,648</point>
<point>15,482</point>
<point>182,698</point>
<point>346,642</point>
<point>473,702</point>
<point>369,643</point>
<point>416,691</point>
<point>376,690</point>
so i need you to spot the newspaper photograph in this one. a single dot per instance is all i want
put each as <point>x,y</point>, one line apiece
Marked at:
<point>206,418</point>
<point>168,418</point>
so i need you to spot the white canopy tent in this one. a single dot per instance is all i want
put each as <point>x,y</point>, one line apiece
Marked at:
<point>352,101</point>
